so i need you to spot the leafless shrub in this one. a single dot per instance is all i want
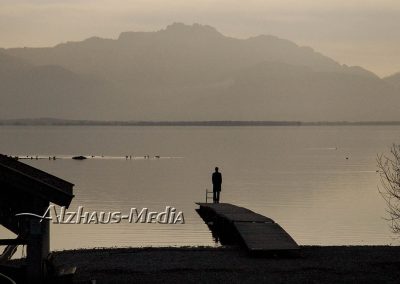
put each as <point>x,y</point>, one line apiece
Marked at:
<point>389,171</point>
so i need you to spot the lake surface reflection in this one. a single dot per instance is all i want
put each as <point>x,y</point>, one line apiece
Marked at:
<point>298,176</point>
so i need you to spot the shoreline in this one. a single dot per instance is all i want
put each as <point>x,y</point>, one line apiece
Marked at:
<point>190,123</point>
<point>313,264</point>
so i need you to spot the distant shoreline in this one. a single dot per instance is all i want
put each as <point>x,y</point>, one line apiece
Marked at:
<point>67,122</point>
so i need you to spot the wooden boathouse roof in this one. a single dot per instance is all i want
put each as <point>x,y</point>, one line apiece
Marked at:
<point>25,178</point>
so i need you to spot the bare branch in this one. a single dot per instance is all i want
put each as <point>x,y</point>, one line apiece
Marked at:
<point>389,171</point>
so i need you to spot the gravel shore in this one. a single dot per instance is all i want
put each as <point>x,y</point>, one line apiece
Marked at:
<point>314,264</point>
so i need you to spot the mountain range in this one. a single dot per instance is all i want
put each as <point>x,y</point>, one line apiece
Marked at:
<point>190,72</point>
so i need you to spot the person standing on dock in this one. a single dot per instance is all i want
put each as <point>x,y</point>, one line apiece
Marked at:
<point>217,182</point>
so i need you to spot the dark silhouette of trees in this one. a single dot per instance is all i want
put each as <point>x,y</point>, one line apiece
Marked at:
<point>389,171</point>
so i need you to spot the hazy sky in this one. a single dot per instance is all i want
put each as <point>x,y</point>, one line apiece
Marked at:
<point>354,32</point>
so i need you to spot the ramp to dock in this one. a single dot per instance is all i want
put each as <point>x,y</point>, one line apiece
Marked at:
<point>259,233</point>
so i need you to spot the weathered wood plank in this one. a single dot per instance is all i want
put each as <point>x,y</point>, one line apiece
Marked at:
<point>259,233</point>
<point>34,181</point>
<point>265,236</point>
<point>6,242</point>
<point>235,213</point>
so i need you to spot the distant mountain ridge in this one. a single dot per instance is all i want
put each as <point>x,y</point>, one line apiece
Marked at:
<point>191,72</point>
<point>393,79</point>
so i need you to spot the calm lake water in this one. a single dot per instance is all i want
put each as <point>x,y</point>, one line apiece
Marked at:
<point>298,176</point>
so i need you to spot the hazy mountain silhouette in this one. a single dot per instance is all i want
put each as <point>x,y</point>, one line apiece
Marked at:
<point>193,73</point>
<point>393,79</point>
<point>290,92</point>
<point>28,91</point>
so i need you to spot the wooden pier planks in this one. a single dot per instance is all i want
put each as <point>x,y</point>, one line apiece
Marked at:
<point>259,233</point>
<point>235,213</point>
<point>265,237</point>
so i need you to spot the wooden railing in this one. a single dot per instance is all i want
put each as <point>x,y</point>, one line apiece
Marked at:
<point>207,195</point>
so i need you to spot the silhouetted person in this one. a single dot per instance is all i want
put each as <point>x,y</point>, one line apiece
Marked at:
<point>216,181</point>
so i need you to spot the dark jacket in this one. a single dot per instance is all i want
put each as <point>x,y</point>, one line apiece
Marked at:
<point>217,181</point>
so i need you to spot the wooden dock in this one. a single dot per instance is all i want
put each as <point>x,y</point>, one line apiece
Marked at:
<point>257,232</point>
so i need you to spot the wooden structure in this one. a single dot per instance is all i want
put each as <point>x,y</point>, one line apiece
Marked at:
<point>257,232</point>
<point>24,189</point>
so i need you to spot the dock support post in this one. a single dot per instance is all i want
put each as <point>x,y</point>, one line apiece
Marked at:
<point>38,248</point>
